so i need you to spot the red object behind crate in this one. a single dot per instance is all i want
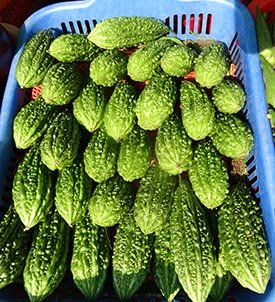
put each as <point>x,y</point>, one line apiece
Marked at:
<point>265,6</point>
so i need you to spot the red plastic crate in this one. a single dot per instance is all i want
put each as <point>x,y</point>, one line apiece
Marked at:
<point>266,6</point>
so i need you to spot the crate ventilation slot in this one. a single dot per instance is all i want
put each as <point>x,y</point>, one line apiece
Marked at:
<point>81,27</point>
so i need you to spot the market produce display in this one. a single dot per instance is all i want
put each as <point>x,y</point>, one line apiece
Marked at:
<point>133,151</point>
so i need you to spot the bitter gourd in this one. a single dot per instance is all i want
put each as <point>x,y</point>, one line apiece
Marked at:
<point>192,244</point>
<point>110,201</point>
<point>48,257</point>
<point>90,258</point>
<point>156,101</point>
<point>154,199</point>
<point>59,147</point>
<point>173,147</point>
<point>119,117</point>
<point>132,254</point>
<point>34,60</point>
<point>33,188</point>
<point>31,122</point>
<point>243,240</point>
<point>124,31</point>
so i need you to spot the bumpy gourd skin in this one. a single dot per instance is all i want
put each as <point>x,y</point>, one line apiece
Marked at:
<point>119,117</point>
<point>31,122</point>
<point>32,188</point>
<point>164,269</point>
<point>132,253</point>
<point>100,156</point>
<point>143,62</point>
<point>90,258</point>
<point>72,192</point>
<point>110,201</point>
<point>192,244</point>
<point>197,111</point>
<point>34,60</point>
<point>243,240</point>
<point>109,67</point>
<point>212,65</point>
<point>135,154</point>
<point>61,84</point>
<point>156,102</point>
<point>119,32</point>
<point>208,175</point>
<point>48,258</point>
<point>89,106</point>
<point>13,247</point>
<point>154,199</point>
<point>70,48</point>
<point>231,136</point>
<point>59,146</point>
<point>178,60</point>
<point>173,147</point>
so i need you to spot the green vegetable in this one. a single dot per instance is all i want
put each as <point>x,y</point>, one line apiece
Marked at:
<point>269,80</point>
<point>34,60</point>
<point>109,67</point>
<point>90,258</point>
<point>212,65</point>
<point>173,147</point>
<point>100,156</point>
<point>61,84</point>
<point>135,154</point>
<point>110,201</point>
<point>119,116</point>
<point>197,111</point>
<point>32,189</point>
<point>132,255</point>
<point>72,48</point>
<point>119,32</point>
<point>31,122</point>
<point>59,147</point>
<point>243,240</point>
<point>154,200</point>
<point>156,102</point>
<point>13,247</point>
<point>47,260</point>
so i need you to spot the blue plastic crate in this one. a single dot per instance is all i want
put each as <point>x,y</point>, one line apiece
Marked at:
<point>223,20</point>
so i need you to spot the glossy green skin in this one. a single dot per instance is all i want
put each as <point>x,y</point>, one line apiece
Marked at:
<point>90,258</point>
<point>13,247</point>
<point>109,67</point>
<point>231,136</point>
<point>228,96</point>
<point>48,258</point>
<point>34,60</point>
<point>243,240</point>
<point>32,189</point>
<point>192,244</point>
<point>173,147</point>
<point>100,156</point>
<point>72,192</point>
<point>178,61</point>
<point>208,175</point>
<point>197,111</point>
<point>156,101</point>
<point>89,106</point>
<point>135,154</point>
<point>119,116</point>
<point>132,253</point>
<point>212,65</point>
<point>154,200</point>
<point>110,201</point>
<point>143,62</point>
<point>59,147</point>
<point>164,269</point>
<point>119,32</point>
<point>61,84</point>
<point>72,48</point>
<point>31,122</point>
